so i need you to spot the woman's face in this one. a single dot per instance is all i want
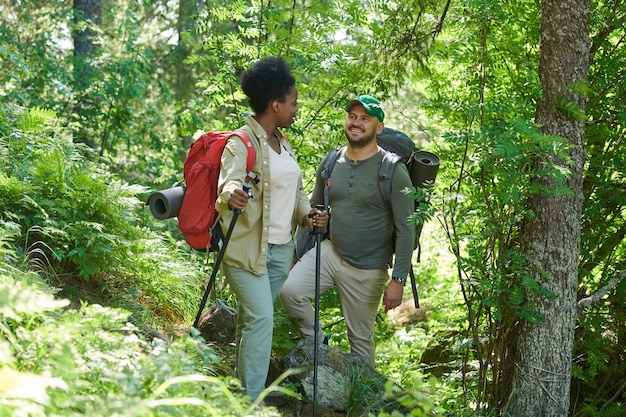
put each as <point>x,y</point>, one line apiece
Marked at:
<point>287,109</point>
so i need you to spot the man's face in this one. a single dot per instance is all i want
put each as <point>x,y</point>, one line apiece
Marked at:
<point>360,127</point>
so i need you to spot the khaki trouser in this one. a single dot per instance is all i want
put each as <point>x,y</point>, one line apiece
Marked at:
<point>360,291</point>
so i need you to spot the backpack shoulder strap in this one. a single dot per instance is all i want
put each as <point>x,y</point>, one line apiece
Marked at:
<point>385,174</point>
<point>251,154</point>
<point>329,162</point>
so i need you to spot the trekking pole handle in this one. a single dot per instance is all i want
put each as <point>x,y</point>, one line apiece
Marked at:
<point>316,229</point>
<point>246,188</point>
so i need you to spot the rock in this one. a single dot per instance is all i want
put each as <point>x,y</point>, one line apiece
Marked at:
<point>339,376</point>
<point>218,323</point>
<point>440,356</point>
<point>290,407</point>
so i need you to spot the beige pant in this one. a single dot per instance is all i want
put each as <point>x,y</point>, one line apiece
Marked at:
<point>360,291</point>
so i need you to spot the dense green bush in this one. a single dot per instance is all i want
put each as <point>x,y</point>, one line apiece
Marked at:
<point>80,225</point>
<point>93,362</point>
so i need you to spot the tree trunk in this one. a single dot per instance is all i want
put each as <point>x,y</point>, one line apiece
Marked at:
<point>184,79</point>
<point>86,14</point>
<point>551,240</point>
<point>184,82</point>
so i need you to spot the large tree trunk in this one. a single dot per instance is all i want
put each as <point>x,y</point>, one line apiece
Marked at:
<point>551,240</point>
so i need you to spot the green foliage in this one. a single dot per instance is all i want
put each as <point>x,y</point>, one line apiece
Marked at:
<point>78,210</point>
<point>599,348</point>
<point>418,400</point>
<point>79,220</point>
<point>385,398</point>
<point>492,192</point>
<point>492,145</point>
<point>599,358</point>
<point>93,362</point>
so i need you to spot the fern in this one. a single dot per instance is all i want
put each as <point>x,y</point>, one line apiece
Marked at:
<point>34,120</point>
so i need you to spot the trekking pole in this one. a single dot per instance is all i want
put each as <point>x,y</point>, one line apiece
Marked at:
<point>416,299</point>
<point>317,231</point>
<point>220,255</point>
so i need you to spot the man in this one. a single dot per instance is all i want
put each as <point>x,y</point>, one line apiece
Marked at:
<point>362,234</point>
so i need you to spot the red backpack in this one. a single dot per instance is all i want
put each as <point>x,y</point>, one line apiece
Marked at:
<point>197,216</point>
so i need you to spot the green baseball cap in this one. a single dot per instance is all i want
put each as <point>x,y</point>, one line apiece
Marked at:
<point>372,106</point>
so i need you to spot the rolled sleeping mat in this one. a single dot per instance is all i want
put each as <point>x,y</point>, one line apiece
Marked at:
<point>166,204</point>
<point>424,167</point>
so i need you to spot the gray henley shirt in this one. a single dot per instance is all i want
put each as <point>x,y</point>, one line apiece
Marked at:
<point>361,227</point>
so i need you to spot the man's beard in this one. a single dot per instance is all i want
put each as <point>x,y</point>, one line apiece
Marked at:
<point>362,143</point>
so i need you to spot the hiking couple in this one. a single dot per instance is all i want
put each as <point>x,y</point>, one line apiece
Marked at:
<point>363,233</point>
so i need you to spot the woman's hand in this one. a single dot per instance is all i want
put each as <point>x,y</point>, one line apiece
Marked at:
<point>238,200</point>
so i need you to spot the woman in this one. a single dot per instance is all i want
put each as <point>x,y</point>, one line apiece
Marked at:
<point>261,248</point>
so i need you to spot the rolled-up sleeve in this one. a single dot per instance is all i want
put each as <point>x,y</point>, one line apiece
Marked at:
<point>232,171</point>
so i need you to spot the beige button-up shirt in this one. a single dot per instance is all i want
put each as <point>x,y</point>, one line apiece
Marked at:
<point>247,247</point>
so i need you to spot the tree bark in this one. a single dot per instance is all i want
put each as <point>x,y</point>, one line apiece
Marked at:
<point>184,81</point>
<point>87,13</point>
<point>551,240</point>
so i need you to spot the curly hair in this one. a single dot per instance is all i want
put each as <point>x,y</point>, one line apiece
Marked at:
<point>268,79</point>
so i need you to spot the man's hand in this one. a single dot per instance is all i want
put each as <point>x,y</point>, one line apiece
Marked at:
<point>316,218</point>
<point>392,297</point>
